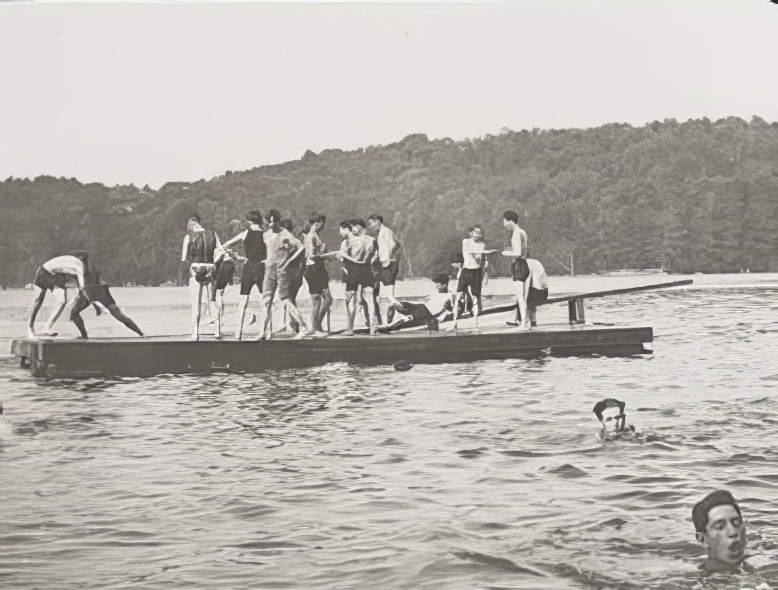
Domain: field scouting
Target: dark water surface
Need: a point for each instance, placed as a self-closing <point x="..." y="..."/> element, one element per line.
<point x="484" y="475"/>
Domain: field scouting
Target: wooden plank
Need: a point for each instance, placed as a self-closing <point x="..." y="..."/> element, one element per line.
<point x="574" y="296"/>
<point x="609" y="292"/>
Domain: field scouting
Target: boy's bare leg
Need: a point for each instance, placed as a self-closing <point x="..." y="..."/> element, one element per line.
<point x="244" y="307"/>
<point x="456" y="307"/>
<point x="351" y="310"/>
<point x="267" y="331"/>
<point x="324" y="310"/>
<point x="40" y="295"/>
<point x="316" y="301"/>
<point x="521" y="299"/>
<point x="117" y="313"/>
<point x="371" y="304"/>
<point x="48" y="329"/>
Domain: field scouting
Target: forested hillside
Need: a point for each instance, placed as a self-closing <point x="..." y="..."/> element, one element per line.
<point x="693" y="196"/>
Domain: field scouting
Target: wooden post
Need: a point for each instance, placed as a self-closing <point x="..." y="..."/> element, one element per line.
<point x="576" y="311"/>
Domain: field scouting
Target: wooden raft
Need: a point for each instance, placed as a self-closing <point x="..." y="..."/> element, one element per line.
<point x="138" y="357"/>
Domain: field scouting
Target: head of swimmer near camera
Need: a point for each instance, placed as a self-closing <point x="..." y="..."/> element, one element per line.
<point x="719" y="524"/>
<point x="610" y="413"/>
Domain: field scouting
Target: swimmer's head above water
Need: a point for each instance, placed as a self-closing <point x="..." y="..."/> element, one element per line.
<point x="610" y="413"/>
<point x="719" y="524"/>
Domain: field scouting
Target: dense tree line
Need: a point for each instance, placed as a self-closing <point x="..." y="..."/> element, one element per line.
<point x="693" y="196"/>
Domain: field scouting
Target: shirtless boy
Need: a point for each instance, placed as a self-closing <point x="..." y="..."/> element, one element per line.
<point x="358" y="254"/>
<point x="316" y="273"/>
<point x="519" y="269"/>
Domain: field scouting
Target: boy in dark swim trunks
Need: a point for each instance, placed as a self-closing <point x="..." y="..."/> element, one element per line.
<point x="62" y="272"/>
<point x="253" y="273"/>
<point x="358" y="254"/>
<point x="98" y="292"/>
<point x="471" y="275"/>
<point x="290" y="253"/>
<point x="316" y="273"/>
<point x="519" y="269"/>
<point x="223" y="274"/>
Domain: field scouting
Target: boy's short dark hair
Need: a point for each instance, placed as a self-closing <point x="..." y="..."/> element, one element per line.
<point x="345" y="224"/>
<point x="441" y="279"/>
<point x="286" y="224"/>
<point x="254" y="216"/>
<point x="704" y="506"/>
<point x="274" y="215"/>
<point x="375" y="217"/>
<point x="358" y="222"/>
<point x="511" y="215"/>
<point x="608" y="402"/>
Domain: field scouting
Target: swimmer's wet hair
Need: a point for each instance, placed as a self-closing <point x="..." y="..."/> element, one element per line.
<point x="608" y="402"/>
<point x="704" y="506"/>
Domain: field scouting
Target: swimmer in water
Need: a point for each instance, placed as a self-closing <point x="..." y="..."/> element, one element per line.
<point x="610" y="413"/>
<point x="719" y="525"/>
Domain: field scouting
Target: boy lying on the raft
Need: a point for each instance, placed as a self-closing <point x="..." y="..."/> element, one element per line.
<point x="610" y="413"/>
<point x="438" y="307"/>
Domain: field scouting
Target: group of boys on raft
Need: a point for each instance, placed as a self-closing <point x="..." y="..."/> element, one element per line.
<point x="276" y="262"/>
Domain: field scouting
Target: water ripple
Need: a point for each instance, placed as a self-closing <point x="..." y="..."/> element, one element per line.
<point x="464" y="476"/>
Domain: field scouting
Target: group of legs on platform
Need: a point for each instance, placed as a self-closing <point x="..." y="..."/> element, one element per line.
<point x="277" y="261"/>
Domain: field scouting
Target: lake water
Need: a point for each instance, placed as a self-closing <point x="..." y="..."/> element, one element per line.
<point x="481" y="475"/>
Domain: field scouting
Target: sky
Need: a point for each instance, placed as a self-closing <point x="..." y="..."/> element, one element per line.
<point x="151" y="92"/>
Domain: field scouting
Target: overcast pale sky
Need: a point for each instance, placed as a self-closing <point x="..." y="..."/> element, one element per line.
<point x="153" y="92"/>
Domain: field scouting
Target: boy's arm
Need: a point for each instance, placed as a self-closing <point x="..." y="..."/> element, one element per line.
<point x="448" y="308"/>
<point x="300" y="250"/>
<point x="239" y="238"/>
<point x="395" y="249"/>
<point x="80" y="277"/>
<point x="185" y="248"/>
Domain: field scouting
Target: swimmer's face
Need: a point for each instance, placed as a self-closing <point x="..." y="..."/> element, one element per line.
<point x="611" y="421"/>
<point x="726" y="538"/>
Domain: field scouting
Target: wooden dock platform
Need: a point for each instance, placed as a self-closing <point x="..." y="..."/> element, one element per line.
<point x="139" y="357"/>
